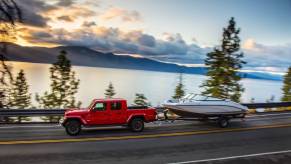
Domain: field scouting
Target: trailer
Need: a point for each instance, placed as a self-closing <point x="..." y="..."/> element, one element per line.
<point x="205" y="108"/>
<point x="222" y="120"/>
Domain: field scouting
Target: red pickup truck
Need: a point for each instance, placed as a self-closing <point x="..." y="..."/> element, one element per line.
<point x="103" y="112"/>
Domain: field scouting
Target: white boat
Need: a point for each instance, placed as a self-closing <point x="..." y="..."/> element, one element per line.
<point x="194" y="105"/>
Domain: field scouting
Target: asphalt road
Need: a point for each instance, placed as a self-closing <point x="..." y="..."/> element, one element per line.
<point x="258" y="139"/>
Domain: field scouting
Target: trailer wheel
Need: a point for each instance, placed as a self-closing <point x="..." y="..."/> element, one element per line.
<point x="223" y="122"/>
<point x="136" y="125"/>
<point x="73" y="127"/>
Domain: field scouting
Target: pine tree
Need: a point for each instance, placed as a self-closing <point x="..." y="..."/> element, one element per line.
<point x="110" y="92"/>
<point x="10" y="13"/>
<point x="287" y="86"/>
<point x="271" y="99"/>
<point x="19" y="97"/>
<point x="179" y="90"/>
<point x="64" y="86"/>
<point x="141" y="100"/>
<point x="223" y="64"/>
<point x="252" y="100"/>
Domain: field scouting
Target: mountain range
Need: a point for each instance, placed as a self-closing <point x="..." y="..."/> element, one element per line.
<point x="83" y="56"/>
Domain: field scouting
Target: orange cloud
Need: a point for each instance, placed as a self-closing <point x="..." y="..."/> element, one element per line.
<point x="249" y="44"/>
<point x="124" y="15"/>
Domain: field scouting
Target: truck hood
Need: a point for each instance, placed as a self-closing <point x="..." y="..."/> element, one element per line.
<point x="76" y="111"/>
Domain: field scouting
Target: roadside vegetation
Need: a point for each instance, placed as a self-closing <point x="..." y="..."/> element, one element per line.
<point x="19" y="96"/>
<point x="64" y="86"/>
<point x="179" y="90"/>
<point x="141" y="100"/>
<point x="287" y="86"/>
<point x="110" y="91"/>
<point x="10" y="14"/>
<point x="223" y="65"/>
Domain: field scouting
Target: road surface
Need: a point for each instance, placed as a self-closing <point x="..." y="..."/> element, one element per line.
<point x="259" y="139"/>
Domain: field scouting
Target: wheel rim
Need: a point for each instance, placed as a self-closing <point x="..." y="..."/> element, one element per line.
<point x="73" y="128"/>
<point x="223" y="123"/>
<point x="138" y="125"/>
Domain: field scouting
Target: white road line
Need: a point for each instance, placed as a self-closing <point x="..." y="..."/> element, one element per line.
<point x="234" y="157"/>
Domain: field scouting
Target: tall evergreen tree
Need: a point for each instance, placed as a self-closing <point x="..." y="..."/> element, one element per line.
<point x="141" y="100"/>
<point x="110" y="92"/>
<point x="179" y="90"/>
<point x="223" y="64"/>
<point x="19" y="97"/>
<point x="64" y="86"/>
<point x="271" y="99"/>
<point x="287" y="86"/>
<point x="10" y="13"/>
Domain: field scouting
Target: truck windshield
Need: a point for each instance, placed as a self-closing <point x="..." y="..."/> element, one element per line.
<point x="91" y="104"/>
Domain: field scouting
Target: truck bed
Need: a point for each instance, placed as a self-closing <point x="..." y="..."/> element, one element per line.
<point x="137" y="107"/>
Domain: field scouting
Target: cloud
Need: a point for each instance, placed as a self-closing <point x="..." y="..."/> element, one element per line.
<point x="69" y="14"/>
<point x="114" y="40"/>
<point x="88" y="24"/>
<point x="266" y="56"/>
<point x="66" y="18"/>
<point x="147" y="40"/>
<point x="40" y="18"/>
<point x="65" y="3"/>
<point x="39" y="13"/>
<point x="31" y="10"/>
<point x="124" y="15"/>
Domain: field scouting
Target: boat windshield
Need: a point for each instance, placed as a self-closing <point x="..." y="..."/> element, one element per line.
<point x="197" y="97"/>
<point x="187" y="96"/>
<point x="213" y="99"/>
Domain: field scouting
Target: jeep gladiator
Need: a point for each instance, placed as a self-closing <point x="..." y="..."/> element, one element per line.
<point x="104" y="112"/>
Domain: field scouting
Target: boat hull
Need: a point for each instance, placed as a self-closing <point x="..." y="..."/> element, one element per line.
<point x="205" y="110"/>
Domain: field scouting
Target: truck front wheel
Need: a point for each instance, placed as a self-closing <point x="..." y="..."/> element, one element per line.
<point x="73" y="127"/>
<point x="137" y="125"/>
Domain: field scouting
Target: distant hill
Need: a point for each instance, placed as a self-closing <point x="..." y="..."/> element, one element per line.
<point x="83" y="56"/>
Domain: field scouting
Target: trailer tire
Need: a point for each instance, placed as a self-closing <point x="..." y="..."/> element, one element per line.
<point x="223" y="122"/>
<point x="73" y="127"/>
<point x="136" y="125"/>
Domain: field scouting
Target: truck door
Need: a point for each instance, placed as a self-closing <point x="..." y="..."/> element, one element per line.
<point x="99" y="114"/>
<point x="118" y="113"/>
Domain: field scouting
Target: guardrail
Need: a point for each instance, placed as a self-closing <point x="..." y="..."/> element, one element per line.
<point x="267" y="105"/>
<point x="60" y="112"/>
<point x="31" y="112"/>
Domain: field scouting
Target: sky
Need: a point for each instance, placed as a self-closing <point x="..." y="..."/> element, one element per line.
<point x="178" y="31"/>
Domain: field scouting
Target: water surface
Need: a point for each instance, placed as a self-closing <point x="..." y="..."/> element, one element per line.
<point x="157" y="86"/>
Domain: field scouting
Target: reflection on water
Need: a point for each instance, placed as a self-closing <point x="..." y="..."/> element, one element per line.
<point x="157" y="86"/>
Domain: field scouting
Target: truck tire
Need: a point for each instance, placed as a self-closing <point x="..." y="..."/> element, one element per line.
<point x="223" y="122"/>
<point x="73" y="127"/>
<point x="136" y="125"/>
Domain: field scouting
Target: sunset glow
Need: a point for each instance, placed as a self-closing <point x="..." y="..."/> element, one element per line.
<point x="170" y="32"/>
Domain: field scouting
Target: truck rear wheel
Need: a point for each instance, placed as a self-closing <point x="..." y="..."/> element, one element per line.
<point x="73" y="127"/>
<point x="137" y="125"/>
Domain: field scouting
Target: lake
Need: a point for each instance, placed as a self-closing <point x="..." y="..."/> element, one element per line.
<point x="157" y="86"/>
